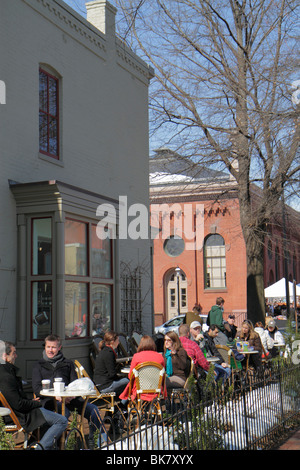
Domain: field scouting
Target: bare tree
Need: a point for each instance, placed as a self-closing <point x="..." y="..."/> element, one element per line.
<point x="225" y="93"/>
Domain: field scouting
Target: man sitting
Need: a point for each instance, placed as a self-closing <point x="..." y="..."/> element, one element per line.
<point x="223" y="369"/>
<point x="192" y="348"/>
<point x="30" y="413"/>
<point x="54" y="365"/>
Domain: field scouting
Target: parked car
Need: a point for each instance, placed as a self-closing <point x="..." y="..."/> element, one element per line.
<point x="174" y="324"/>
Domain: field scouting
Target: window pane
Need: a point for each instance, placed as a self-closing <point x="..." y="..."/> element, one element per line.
<point x="75" y="248"/>
<point x="41" y="246"/>
<point x="52" y="96"/>
<point x="41" y="309"/>
<point x="43" y="130"/>
<point x="49" y="113"/>
<point x="43" y="91"/>
<point x="101" y="308"/>
<point x="53" y="136"/>
<point x="76" y="309"/>
<point x="215" y="262"/>
<point x="101" y="256"/>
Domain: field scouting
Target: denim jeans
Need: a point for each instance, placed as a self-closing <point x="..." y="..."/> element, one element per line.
<point x="117" y="386"/>
<point x="222" y="372"/>
<point x="57" y="424"/>
<point x="91" y="413"/>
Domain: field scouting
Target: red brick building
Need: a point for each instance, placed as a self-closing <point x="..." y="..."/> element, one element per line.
<point x="187" y="203"/>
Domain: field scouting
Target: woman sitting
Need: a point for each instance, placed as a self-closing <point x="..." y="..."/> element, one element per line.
<point x="105" y="375"/>
<point x="248" y="334"/>
<point x="176" y="360"/>
<point x="146" y="352"/>
<point x="275" y="337"/>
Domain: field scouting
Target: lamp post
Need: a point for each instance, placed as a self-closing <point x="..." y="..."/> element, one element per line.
<point x="177" y="271"/>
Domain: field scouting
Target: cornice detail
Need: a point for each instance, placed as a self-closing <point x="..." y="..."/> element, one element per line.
<point x="76" y="25"/>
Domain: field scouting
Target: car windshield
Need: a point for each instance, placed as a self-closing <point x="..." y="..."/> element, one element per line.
<point x="175" y="321"/>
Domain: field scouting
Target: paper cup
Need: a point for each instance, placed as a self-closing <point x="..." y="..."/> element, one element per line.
<point x="45" y="384"/>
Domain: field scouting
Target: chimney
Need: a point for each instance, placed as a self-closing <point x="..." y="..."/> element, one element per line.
<point x="101" y="14"/>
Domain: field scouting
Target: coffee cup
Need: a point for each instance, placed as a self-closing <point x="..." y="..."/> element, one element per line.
<point x="59" y="386"/>
<point x="45" y="384"/>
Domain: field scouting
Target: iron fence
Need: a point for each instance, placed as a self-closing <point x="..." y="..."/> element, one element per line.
<point x="254" y="412"/>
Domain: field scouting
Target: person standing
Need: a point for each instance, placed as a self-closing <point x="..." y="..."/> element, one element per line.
<point x="215" y="315"/>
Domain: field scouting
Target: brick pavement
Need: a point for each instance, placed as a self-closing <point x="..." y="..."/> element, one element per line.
<point x="293" y="443"/>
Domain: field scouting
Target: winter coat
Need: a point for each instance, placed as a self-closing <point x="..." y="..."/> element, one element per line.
<point x="138" y="358"/>
<point x="44" y="369"/>
<point x="105" y="372"/>
<point x="211" y="348"/>
<point x="274" y="337"/>
<point x="266" y="339"/>
<point x="180" y="364"/>
<point x="216" y="317"/>
<point x="26" y="410"/>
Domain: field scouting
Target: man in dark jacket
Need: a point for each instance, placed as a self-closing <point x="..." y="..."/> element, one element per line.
<point x="30" y="413"/>
<point x="223" y="369"/>
<point x="54" y="365"/>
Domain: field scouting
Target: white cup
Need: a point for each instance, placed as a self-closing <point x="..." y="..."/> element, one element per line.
<point x="59" y="386"/>
<point x="45" y="384"/>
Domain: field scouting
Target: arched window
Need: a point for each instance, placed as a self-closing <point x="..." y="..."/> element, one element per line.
<point x="214" y="262"/>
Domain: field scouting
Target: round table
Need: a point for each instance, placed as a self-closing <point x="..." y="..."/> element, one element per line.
<point x="86" y="394"/>
<point x="247" y="354"/>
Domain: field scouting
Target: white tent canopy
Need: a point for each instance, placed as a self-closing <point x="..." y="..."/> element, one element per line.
<point x="278" y="290"/>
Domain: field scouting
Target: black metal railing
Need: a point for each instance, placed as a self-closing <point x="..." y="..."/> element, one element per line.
<point x="254" y="412"/>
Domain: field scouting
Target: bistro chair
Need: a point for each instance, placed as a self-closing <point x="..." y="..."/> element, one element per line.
<point x="104" y="401"/>
<point x="183" y="393"/>
<point x="150" y="379"/>
<point x="18" y="432"/>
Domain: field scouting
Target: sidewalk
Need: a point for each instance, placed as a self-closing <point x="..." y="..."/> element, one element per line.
<point x="293" y="443"/>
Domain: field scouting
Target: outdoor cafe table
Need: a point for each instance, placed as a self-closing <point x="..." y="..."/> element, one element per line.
<point x="4" y="411"/>
<point x="247" y="354"/>
<point x="85" y="394"/>
<point x="212" y="359"/>
<point x="123" y="360"/>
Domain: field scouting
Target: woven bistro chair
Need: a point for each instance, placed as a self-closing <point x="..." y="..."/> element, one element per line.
<point x="150" y="379"/>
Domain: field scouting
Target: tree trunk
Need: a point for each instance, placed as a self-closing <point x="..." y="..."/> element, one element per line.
<point x="255" y="279"/>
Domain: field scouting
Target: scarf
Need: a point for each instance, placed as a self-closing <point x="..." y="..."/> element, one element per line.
<point x="55" y="360"/>
<point x="169" y="367"/>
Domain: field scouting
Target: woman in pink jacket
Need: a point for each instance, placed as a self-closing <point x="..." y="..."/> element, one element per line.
<point x="146" y="352"/>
